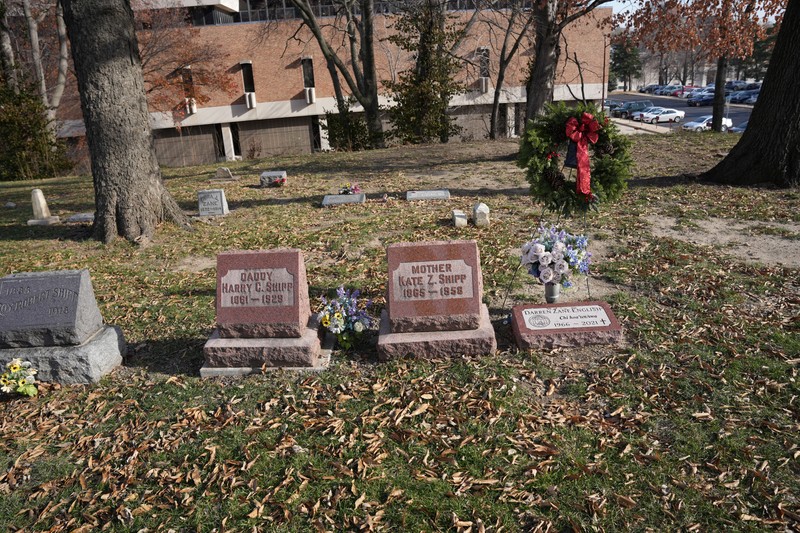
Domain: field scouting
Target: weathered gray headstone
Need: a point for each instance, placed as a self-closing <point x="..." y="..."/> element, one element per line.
<point x="223" y="173"/>
<point x="459" y="218"/>
<point x="272" y="178"/>
<point x="10" y="205"/>
<point x="41" y="213"/>
<point x="51" y="319"/>
<point x="47" y="309"/>
<point x="212" y="202"/>
<point x="338" y="199"/>
<point x="441" y="194"/>
<point x="480" y="214"/>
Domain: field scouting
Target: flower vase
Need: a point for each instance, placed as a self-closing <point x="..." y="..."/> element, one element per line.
<point x="551" y="292"/>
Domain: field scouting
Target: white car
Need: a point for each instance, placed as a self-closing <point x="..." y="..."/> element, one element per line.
<point x="704" y="124"/>
<point x="637" y="115"/>
<point x="665" y="114"/>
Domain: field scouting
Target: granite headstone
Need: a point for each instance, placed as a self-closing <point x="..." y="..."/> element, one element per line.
<point x="440" y="194"/>
<point x="212" y="202"/>
<point x="565" y="324"/>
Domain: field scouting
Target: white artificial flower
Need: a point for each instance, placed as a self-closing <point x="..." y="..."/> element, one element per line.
<point x="545" y="258"/>
<point x="358" y="327"/>
<point x="546" y="274"/>
<point x="7" y="389"/>
<point x="538" y="248"/>
<point x="529" y="258"/>
<point x="526" y="248"/>
<point x="561" y="267"/>
<point x="558" y="248"/>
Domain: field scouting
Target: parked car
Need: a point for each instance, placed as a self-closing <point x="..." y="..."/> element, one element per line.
<point x="735" y="85"/>
<point x="740" y="97"/>
<point x="609" y="105"/>
<point x="698" y="91"/>
<point x="704" y="124"/>
<point x="670" y="90"/>
<point x="739" y="129"/>
<point x="625" y="110"/>
<point x="753" y="86"/>
<point x="665" y="114"/>
<point x="687" y="89"/>
<point x="701" y="99"/>
<point x="649" y="88"/>
<point x="752" y="100"/>
<point x="637" y="115"/>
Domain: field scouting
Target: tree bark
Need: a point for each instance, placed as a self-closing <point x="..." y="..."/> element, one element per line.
<point x="7" y="61"/>
<point x="543" y="74"/>
<point x="130" y="198"/>
<point x="718" y="108"/>
<point x="769" y="150"/>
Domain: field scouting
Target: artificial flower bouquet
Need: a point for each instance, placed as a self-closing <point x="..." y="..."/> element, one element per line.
<point x="345" y="316"/>
<point x="555" y="256"/>
<point x="18" y="378"/>
<point x="350" y="188"/>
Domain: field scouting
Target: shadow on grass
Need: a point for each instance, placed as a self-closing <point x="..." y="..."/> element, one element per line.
<point x="182" y="356"/>
<point x="60" y="232"/>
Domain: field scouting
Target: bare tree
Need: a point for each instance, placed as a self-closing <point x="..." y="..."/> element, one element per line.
<point x="7" y="61"/>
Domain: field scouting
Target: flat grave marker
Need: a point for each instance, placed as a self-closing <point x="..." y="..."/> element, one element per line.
<point x="440" y="194"/>
<point x="272" y="177"/>
<point x="339" y="199"/>
<point x="565" y="324"/>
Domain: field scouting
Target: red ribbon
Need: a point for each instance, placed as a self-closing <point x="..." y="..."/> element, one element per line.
<point x="582" y="133"/>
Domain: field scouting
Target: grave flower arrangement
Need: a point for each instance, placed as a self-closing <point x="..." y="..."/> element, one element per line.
<point x="277" y="181"/>
<point x="346" y="317"/>
<point x="18" y="378"/>
<point x="555" y="256"/>
<point x="350" y="188"/>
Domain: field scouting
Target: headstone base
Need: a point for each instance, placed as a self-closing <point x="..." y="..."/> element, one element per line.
<point x="49" y="221"/>
<point x="239" y="357"/>
<point x="480" y="341"/>
<point x="568" y="325"/>
<point x="85" y="363"/>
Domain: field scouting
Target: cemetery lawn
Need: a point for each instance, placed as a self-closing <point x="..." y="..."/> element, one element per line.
<point x="691" y="425"/>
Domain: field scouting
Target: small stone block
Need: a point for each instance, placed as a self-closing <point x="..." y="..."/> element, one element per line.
<point x="262" y="294"/>
<point x="479" y="341"/>
<point x="459" y="218"/>
<point x="85" y="363"/>
<point x="212" y="202"/>
<point x="272" y="178"/>
<point x="441" y="194"/>
<point x="10" y="205"/>
<point x="480" y="214"/>
<point x="434" y="286"/>
<point x="221" y="353"/>
<point x="80" y="217"/>
<point x="49" y="221"/>
<point x="568" y="325"/>
<point x="47" y="309"/>
<point x="338" y="199"/>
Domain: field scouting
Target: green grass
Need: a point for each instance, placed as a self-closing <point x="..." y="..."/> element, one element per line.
<point x="692" y="424"/>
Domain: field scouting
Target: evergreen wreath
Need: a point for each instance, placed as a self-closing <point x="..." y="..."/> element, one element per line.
<point x="543" y="150"/>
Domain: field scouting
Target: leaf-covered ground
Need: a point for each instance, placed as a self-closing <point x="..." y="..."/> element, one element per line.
<point x="692" y="424"/>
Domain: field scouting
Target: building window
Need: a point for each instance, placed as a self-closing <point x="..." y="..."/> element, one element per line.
<point x="247" y="77"/>
<point x="308" y="71"/>
<point x="483" y="58"/>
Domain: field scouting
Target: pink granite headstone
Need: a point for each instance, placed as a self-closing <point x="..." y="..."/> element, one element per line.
<point x="434" y="286"/>
<point x="262" y="294"/>
<point x="568" y="324"/>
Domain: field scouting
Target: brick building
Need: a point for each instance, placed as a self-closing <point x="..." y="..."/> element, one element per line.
<point x="285" y="89"/>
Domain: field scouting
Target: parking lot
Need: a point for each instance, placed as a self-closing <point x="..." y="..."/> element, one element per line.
<point x="738" y="113"/>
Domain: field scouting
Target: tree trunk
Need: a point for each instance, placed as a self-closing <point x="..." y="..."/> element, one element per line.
<point x="7" y="52"/>
<point x="769" y="150"/>
<point x="719" y="94"/>
<point x="371" y="104"/>
<point x="543" y="75"/>
<point x="130" y="198"/>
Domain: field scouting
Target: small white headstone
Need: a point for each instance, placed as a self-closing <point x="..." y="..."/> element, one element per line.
<point x="212" y="203"/>
<point x="80" y="217"/>
<point x="41" y="213"/>
<point x="459" y="218"/>
<point x="480" y="214"/>
<point x="441" y="194"/>
<point x="11" y="205"/>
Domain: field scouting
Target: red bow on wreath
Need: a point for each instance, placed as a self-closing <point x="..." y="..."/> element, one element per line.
<point x="582" y="133"/>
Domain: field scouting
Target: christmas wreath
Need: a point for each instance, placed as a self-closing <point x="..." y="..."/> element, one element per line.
<point x="598" y="149"/>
